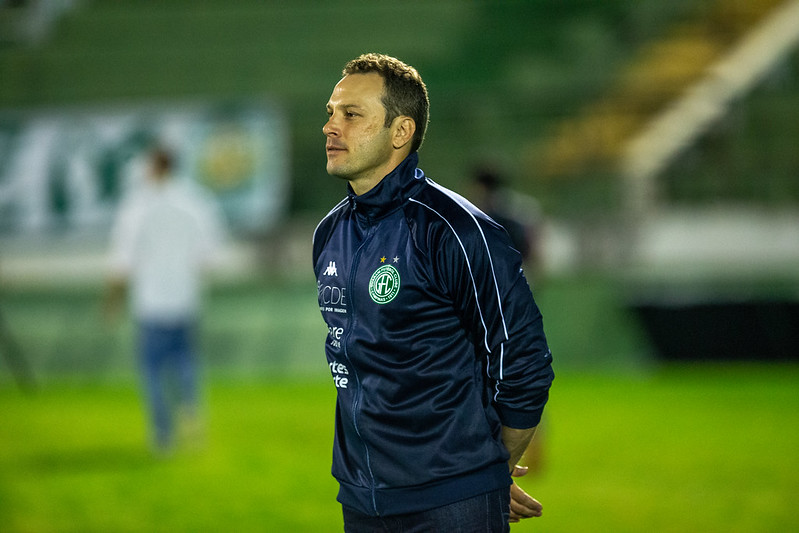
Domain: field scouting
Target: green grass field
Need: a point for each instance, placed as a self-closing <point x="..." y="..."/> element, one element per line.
<point x="631" y="445"/>
<point x="690" y="449"/>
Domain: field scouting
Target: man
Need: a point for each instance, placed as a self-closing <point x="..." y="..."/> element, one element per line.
<point x="163" y="238"/>
<point x="434" y="340"/>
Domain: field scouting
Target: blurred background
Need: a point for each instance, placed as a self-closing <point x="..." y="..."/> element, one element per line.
<point x="649" y="147"/>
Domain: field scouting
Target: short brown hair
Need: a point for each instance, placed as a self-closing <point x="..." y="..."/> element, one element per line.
<point x="404" y="91"/>
<point x="162" y="160"/>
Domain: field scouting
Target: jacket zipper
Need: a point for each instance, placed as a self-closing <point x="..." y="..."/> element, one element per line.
<point x="358" y="391"/>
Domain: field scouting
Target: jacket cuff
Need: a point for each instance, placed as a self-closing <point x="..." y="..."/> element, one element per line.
<point x="519" y="419"/>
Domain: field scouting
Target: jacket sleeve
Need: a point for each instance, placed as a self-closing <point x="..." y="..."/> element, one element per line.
<point x="484" y="276"/>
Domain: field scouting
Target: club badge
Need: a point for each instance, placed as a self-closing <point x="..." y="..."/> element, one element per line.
<point x="384" y="284"/>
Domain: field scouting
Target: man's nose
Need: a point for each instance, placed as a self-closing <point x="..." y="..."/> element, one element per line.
<point x="330" y="128"/>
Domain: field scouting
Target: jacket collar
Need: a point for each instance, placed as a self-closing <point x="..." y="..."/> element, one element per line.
<point x="391" y="192"/>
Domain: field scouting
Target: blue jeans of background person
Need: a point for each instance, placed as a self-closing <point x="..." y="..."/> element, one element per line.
<point x="486" y="513"/>
<point x="169" y="372"/>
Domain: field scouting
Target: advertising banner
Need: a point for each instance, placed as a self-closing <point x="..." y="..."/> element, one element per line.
<point x="64" y="171"/>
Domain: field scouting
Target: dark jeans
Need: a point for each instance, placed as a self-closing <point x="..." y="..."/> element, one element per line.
<point x="170" y="376"/>
<point x="486" y="513"/>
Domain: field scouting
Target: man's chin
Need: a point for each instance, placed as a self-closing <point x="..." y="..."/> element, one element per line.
<point x="337" y="172"/>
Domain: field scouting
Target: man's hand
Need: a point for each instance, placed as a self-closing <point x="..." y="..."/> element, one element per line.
<point x="114" y="300"/>
<point x="522" y="505"/>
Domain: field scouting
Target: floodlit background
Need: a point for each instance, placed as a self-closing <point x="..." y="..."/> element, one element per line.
<point x="651" y="145"/>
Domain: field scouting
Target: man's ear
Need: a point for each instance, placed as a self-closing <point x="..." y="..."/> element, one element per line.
<point x="403" y="129"/>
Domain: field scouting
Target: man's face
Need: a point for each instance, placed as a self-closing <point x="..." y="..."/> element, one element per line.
<point x="359" y="146"/>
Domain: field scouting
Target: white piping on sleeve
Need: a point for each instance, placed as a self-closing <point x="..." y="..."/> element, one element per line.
<point x="459" y="200"/>
<point x="468" y="265"/>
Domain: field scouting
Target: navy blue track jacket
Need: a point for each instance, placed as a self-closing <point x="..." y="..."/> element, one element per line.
<point x="434" y="342"/>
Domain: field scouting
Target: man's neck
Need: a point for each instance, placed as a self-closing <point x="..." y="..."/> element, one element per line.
<point x="364" y="184"/>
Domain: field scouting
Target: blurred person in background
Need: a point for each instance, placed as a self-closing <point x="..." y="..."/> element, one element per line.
<point x="166" y="234"/>
<point x="518" y="214"/>
<point x="435" y="343"/>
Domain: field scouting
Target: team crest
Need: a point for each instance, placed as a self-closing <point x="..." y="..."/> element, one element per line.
<point x="384" y="284"/>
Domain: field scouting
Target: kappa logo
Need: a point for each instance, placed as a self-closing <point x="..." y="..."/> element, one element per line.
<point x="384" y="284"/>
<point x="331" y="269"/>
